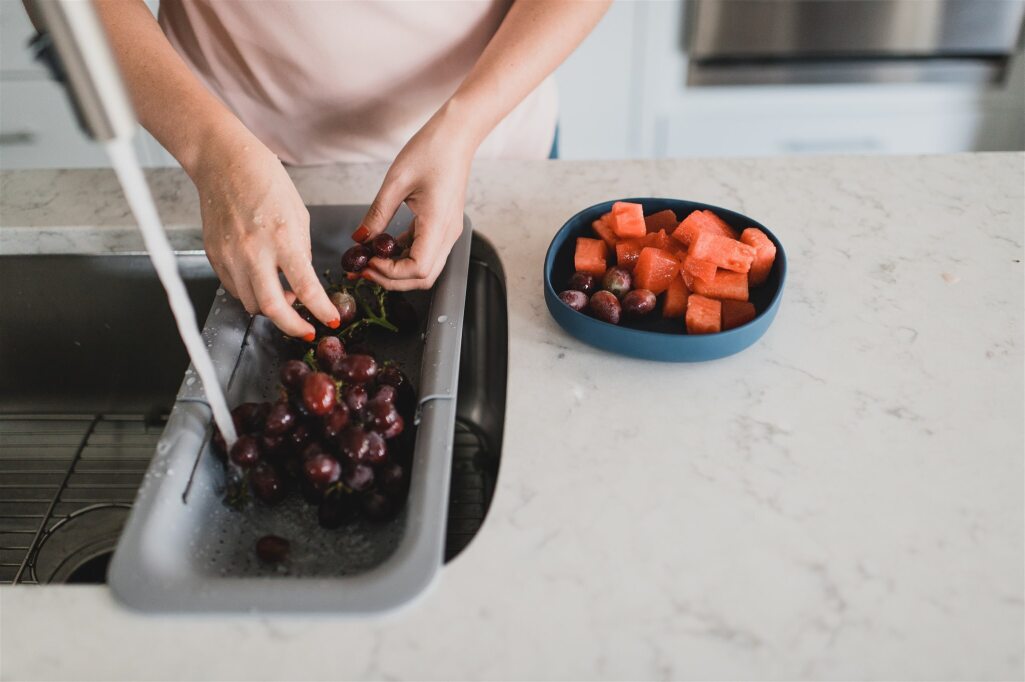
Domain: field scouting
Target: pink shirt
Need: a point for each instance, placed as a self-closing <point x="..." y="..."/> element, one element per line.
<point x="322" y="81"/>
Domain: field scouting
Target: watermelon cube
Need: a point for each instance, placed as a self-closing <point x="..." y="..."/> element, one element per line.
<point x="701" y="269"/>
<point x="675" y="303"/>
<point x="736" y="313"/>
<point x="655" y="270"/>
<point x="603" y="228"/>
<point x="765" y="255"/>
<point x="688" y="278"/>
<point x="677" y="250"/>
<point x="627" y="252"/>
<point x="699" y="222"/>
<point x="724" y="227"/>
<point x="725" y="284"/>
<point x="704" y="315"/>
<point x="590" y="256"/>
<point x="628" y="220"/>
<point x="659" y="240"/>
<point x="663" y="220"/>
<point x="724" y="252"/>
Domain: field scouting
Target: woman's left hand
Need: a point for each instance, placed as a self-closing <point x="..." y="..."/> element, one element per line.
<point x="430" y="176"/>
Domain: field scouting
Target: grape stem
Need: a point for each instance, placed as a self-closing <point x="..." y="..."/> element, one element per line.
<point x="236" y="487"/>
<point x="371" y="317"/>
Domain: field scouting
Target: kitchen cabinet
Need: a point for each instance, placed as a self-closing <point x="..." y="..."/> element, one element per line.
<point x="623" y="94"/>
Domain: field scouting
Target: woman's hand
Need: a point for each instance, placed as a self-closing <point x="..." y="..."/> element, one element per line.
<point x="254" y="225"/>
<point x="430" y="176"/>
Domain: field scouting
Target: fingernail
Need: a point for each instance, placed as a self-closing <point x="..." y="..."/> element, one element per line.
<point x="361" y="234"/>
<point x="366" y="275"/>
<point x="335" y="323"/>
<point x="351" y="276"/>
<point x="309" y="337"/>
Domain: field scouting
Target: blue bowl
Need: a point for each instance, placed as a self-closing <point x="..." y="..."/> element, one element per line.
<point x="654" y="338"/>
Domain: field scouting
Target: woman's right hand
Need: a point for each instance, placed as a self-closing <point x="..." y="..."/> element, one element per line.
<point x="254" y="225"/>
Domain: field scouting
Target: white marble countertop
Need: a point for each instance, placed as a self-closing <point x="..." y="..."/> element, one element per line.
<point x="842" y="500"/>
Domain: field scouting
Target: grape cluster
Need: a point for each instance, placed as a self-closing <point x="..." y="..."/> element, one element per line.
<point x="609" y="298"/>
<point x="357" y="257"/>
<point x="335" y="435"/>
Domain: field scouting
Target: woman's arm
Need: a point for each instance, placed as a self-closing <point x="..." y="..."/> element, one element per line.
<point x="254" y="222"/>
<point x="431" y="171"/>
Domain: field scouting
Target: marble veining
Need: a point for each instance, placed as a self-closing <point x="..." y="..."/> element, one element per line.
<point x="843" y="500"/>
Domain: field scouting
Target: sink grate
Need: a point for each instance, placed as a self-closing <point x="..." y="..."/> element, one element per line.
<point x="52" y="466"/>
<point x="472" y="485"/>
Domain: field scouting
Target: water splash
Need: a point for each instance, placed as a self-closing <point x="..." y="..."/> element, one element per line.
<point x="129" y="173"/>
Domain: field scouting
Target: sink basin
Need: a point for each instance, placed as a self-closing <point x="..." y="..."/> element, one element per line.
<point x="90" y="363"/>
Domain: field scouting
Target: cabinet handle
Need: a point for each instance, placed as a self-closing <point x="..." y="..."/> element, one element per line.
<point x="17" y="137"/>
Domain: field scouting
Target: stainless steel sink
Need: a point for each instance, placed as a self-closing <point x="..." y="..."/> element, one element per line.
<point x="90" y="363"/>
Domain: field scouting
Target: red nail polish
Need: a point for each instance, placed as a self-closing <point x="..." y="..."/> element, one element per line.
<point x="351" y="276"/>
<point x="309" y="337"/>
<point x="366" y="275"/>
<point x="335" y="323"/>
<point x="361" y="234"/>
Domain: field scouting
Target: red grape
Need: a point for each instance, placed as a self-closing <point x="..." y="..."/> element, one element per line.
<point x="266" y="483"/>
<point x="638" y="303"/>
<point x="272" y="446"/>
<point x="356" y="258"/>
<point x="356" y="369"/>
<point x="618" y="281"/>
<point x="321" y="470"/>
<point x="355" y="396"/>
<point x="395" y="428"/>
<point x="246" y="451"/>
<point x="384" y="246"/>
<point x="583" y="282"/>
<point x="605" y="306"/>
<point x="280" y="419"/>
<point x="336" y="421"/>
<point x="298" y="438"/>
<point x="390" y="375"/>
<point x="377" y="449"/>
<point x="577" y="300"/>
<point x="248" y="417"/>
<point x="346" y="306"/>
<point x="292" y="374"/>
<point x="319" y="393"/>
<point x="358" y="478"/>
<point x="272" y="549"/>
<point x="381" y="414"/>
<point x="354" y="444"/>
<point x="388" y="394"/>
<point x="329" y="351"/>
<point x="311" y="450"/>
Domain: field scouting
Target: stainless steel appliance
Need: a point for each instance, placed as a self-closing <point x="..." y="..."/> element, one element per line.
<point x="744" y="42"/>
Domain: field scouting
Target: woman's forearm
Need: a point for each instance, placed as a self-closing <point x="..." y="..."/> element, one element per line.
<point x="533" y="39"/>
<point x="170" y="101"/>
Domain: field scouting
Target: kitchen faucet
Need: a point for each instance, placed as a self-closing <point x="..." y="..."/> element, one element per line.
<point x="72" y="43"/>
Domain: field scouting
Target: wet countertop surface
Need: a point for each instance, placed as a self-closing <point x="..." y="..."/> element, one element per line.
<point x="842" y="500"/>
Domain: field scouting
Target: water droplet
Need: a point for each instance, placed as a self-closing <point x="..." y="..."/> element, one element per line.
<point x="442" y="319"/>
